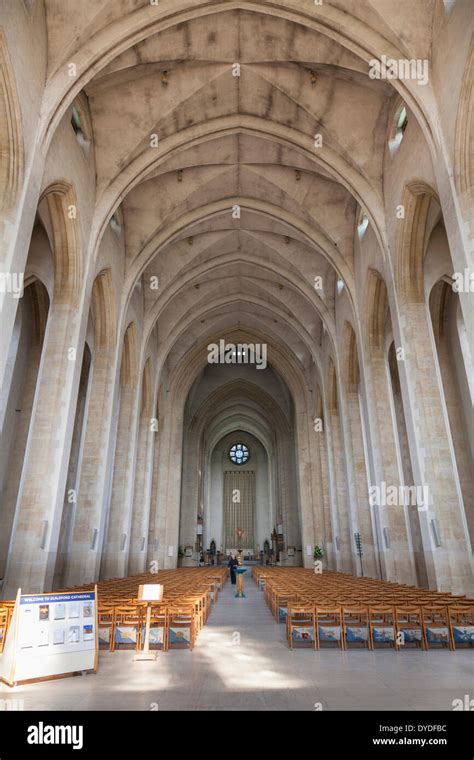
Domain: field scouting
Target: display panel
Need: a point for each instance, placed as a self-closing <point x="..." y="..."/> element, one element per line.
<point x="50" y="635"/>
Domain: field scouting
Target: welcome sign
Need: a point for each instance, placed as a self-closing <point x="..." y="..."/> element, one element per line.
<point x="50" y="635"/>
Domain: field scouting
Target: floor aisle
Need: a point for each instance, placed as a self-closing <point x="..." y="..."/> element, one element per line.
<point x="241" y="661"/>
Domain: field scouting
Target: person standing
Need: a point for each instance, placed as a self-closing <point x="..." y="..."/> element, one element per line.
<point x="232" y="564"/>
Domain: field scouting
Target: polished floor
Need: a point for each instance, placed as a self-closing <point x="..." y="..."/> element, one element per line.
<point x="241" y="661"/>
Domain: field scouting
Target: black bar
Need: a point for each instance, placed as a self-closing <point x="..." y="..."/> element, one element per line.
<point x="374" y="734"/>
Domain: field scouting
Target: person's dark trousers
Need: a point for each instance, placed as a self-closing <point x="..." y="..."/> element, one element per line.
<point x="233" y="577"/>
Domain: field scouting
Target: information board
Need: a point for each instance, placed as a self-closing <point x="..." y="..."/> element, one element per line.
<point x="50" y="635"/>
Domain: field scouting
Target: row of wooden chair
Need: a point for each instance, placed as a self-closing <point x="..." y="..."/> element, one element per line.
<point x="423" y="627"/>
<point x="299" y="597"/>
<point x="171" y="626"/>
<point x="189" y="594"/>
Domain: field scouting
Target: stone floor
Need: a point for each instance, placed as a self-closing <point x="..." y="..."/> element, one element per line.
<point x="241" y="661"/>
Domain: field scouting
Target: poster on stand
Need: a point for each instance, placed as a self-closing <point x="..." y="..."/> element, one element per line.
<point x="50" y="636"/>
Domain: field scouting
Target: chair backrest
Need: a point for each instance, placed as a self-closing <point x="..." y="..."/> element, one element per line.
<point x="130" y="612"/>
<point x="327" y="610"/>
<point x="380" y="610"/>
<point x="434" y="613"/>
<point x="354" y="611"/>
<point x="407" y="612"/>
<point x="298" y="610"/>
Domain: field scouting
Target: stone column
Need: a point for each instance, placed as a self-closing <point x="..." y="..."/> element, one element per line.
<point x="83" y="565"/>
<point x="74" y="471"/>
<point x="16" y="228"/>
<point x="170" y="493"/>
<point x="345" y="551"/>
<point x="115" y="557"/>
<point x="303" y="428"/>
<point x="142" y="496"/>
<point x="155" y="512"/>
<point x="328" y="528"/>
<point x="358" y="483"/>
<point x="407" y="471"/>
<point x="190" y="485"/>
<point x="457" y="217"/>
<point x="397" y="559"/>
<point x="332" y="489"/>
<point x="449" y="566"/>
<point x="35" y="534"/>
<point x="18" y="402"/>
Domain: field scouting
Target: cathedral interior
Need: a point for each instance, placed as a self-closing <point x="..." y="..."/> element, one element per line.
<point x="237" y="256"/>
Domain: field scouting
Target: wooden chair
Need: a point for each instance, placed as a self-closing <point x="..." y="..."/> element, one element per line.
<point x="461" y="625"/>
<point x="328" y="624"/>
<point x="159" y="627"/>
<point x="381" y="625"/>
<point x="198" y="609"/>
<point x="182" y="627"/>
<point x="280" y="604"/>
<point x="105" y="623"/>
<point x="128" y="616"/>
<point x="355" y="626"/>
<point x="4" y="622"/>
<point x="436" y="626"/>
<point x="409" y="628"/>
<point x="300" y="627"/>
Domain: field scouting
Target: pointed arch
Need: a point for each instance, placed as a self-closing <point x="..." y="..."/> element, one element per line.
<point x="438" y="302"/>
<point x="128" y="368"/>
<point x="351" y="369"/>
<point x="62" y="206"/>
<point x="103" y="310"/>
<point x="376" y="308"/>
<point x="421" y="206"/>
<point x="333" y="403"/>
<point x="146" y="389"/>
<point x="39" y="308"/>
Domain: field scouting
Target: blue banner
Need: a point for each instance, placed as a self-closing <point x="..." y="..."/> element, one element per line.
<point x="48" y="598"/>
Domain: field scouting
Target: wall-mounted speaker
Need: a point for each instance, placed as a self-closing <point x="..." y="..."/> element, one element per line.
<point x="435" y="529"/>
<point x="44" y="533"/>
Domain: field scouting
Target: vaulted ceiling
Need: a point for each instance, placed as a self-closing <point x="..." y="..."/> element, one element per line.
<point x="240" y="141"/>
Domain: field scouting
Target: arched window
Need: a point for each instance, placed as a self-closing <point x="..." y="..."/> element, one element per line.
<point x="116" y="222"/>
<point x="401" y="123"/>
<point x="448" y="5"/>
<point x="363" y="223"/>
<point x="398" y="129"/>
<point x="239" y="453"/>
<point x="81" y="124"/>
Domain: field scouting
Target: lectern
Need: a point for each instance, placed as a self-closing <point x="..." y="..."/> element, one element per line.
<point x="148" y="592"/>
<point x="240" y="580"/>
